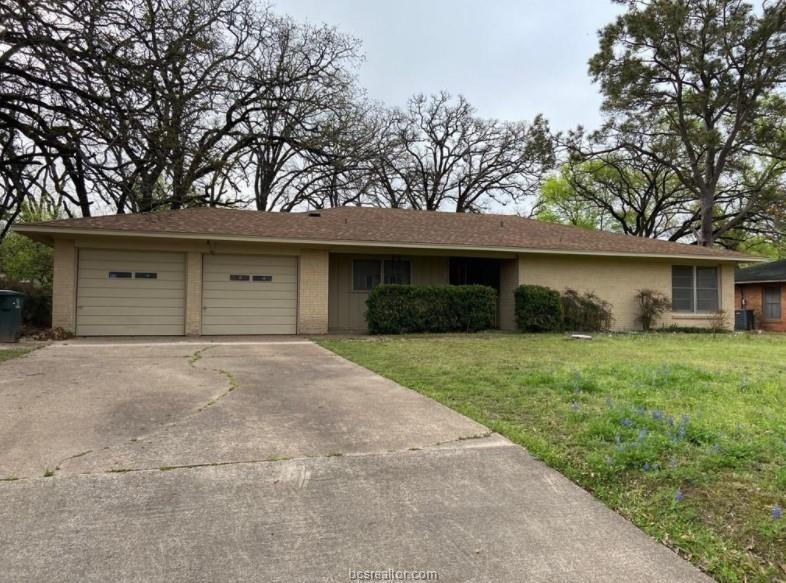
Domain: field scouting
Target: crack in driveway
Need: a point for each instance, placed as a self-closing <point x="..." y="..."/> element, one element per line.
<point x="484" y="440"/>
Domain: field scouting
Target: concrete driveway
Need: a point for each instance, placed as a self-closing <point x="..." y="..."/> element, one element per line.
<point x="275" y="460"/>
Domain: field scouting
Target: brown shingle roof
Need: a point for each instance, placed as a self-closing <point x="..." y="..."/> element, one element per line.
<point x="384" y="226"/>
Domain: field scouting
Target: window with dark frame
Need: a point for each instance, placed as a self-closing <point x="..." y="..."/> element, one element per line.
<point x="120" y="275"/>
<point x="239" y="277"/>
<point x="772" y="302"/>
<point x="262" y="278"/>
<point x="396" y="271"/>
<point x="694" y="289"/>
<point x="366" y="274"/>
<point x="146" y="275"/>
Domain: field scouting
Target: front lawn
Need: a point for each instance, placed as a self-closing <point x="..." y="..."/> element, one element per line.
<point x="683" y="434"/>
<point x="9" y="353"/>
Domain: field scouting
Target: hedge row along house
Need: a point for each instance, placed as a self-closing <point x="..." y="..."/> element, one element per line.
<point x="224" y="272"/>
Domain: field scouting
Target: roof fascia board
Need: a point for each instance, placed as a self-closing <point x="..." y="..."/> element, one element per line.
<point x="63" y="231"/>
<point x="761" y="281"/>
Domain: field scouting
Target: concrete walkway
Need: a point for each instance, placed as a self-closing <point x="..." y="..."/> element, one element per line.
<point x="275" y="460"/>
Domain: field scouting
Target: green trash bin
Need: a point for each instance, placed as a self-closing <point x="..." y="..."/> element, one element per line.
<point x="10" y="315"/>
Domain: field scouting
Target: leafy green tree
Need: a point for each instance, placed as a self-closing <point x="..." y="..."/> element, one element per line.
<point x="618" y="191"/>
<point x="24" y="260"/>
<point x="558" y="202"/>
<point x="696" y="85"/>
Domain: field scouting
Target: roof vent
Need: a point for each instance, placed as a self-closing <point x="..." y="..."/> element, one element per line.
<point x="314" y="214"/>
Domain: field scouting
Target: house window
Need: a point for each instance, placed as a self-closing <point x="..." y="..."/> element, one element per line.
<point x="366" y="274"/>
<point x="239" y="277"/>
<point x="262" y="278"/>
<point x="694" y="289"/>
<point x="772" y="303"/>
<point x="146" y="275"/>
<point x="120" y="275"/>
<point x="397" y="271"/>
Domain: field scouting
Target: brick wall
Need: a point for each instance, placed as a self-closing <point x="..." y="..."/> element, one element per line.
<point x="193" y="293"/>
<point x="312" y="313"/>
<point x="616" y="280"/>
<point x="753" y="294"/>
<point x="64" y="285"/>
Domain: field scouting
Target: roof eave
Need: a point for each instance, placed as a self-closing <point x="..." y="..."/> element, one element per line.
<point x="38" y="230"/>
<point x="760" y="281"/>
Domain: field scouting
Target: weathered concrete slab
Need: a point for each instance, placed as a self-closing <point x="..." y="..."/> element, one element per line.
<point x="469" y="514"/>
<point x="61" y="401"/>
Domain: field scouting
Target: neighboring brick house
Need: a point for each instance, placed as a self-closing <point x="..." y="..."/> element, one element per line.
<point x="761" y="288"/>
<point x="220" y="271"/>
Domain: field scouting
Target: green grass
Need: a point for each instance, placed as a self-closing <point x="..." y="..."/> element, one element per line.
<point x="633" y="419"/>
<point x="9" y="353"/>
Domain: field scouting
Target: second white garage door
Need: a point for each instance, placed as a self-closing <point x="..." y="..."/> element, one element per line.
<point x="249" y="294"/>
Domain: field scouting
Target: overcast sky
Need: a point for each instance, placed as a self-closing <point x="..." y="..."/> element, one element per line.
<point x="512" y="59"/>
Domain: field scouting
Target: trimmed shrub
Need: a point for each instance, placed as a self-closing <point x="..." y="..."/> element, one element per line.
<point x="401" y="309"/>
<point x="585" y="312"/>
<point x="538" y="309"/>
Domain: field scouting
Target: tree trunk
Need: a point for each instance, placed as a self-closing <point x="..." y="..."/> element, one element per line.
<point x="706" y="231"/>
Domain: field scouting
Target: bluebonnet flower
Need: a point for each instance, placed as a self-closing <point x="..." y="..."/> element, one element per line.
<point x="645" y="467"/>
<point x="673" y="462"/>
<point x="657" y="415"/>
<point x="679" y="495"/>
<point x="642" y="434"/>
<point x="776" y="512"/>
<point x="681" y="429"/>
<point x="574" y="405"/>
<point x="715" y="448"/>
<point x="671" y="421"/>
<point x="627" y="422"/>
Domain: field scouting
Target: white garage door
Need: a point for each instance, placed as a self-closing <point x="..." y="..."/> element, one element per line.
<point x="249" y="294"/>
<point x="122" y="293"/>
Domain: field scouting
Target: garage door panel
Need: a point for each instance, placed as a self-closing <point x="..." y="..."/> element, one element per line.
<point x="143" y="257"/>
<point x="118" y="302"/>
<point x="230" y="262"/>
<point x="103" y="274"/>
<point x="222" y="281"/>
<point x="151" y="319"/>
<point x="259" y="319"/>
<point x="152" y="311"/>
<point x="133" y="293"/>
<point x="130" y="306"/>
<point x="129" y="330"/>
<point x="249" y="307"/>
<point x="143" y="285"/>
<point x="240" y="329"/>
<point x="215" y="288"/>
<point x="289" y="306"/>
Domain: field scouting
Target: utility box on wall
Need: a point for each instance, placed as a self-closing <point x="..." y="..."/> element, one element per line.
<point x="743" y="319"/>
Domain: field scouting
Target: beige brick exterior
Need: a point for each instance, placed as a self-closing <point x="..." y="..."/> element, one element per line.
<point x="64" y="284"/>
<point x="193" y="293"/>
<point x="312" y="313"/>
<point x="616" y="279"/>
